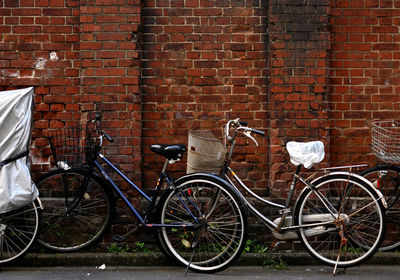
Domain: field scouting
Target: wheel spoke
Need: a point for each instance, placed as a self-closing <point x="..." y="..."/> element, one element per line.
<point x="359" y="225"/>
<point x="18" y="231"/>
<point x="89" y="211"/>
<point x="218" y="238"/>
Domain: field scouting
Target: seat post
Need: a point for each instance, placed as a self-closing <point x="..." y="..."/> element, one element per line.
<point x="298" y="169"/>
<point x="165" y="166"/>
<point x="292" y="186"/>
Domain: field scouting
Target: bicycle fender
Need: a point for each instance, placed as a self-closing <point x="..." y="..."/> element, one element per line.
<point x="358" y="177"/>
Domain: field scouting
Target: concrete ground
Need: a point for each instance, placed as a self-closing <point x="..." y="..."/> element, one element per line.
<point x="308" y="272"/>
<point x="158" y="259"/>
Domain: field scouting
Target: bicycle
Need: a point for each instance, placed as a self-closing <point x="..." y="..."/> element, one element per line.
<point x="19" y="229"/>
<point x="200" y="221"/>
<point x="339" y="216"/>
<point x="20" y="217"/>
<point x="386" y="176"/>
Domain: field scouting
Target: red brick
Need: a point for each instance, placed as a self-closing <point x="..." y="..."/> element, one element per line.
<point x="192" y="70"/>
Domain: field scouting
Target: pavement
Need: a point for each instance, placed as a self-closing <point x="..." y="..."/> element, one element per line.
<point x="298" y="272"/>
<point x="158" y="259"/>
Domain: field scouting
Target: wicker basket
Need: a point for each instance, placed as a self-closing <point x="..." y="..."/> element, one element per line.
<point x="386" y="140"/>
<point x="67" y="147"/>
<point x="205" y="153"/>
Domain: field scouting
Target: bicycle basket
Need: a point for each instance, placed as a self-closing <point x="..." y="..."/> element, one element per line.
<point x="206" y="153"/>
<point x="386" y="140"/>
<point x="67" y="147"/>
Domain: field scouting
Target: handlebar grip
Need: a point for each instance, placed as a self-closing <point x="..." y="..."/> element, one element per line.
<point x="259" y="132"/>
<point x="243" y="123"/>
<point x="109" y="138"/>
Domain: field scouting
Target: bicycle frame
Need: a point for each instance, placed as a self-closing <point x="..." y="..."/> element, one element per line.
<point x="144" y="221"/>
<point x="276" y="227"/>
<point x="285" y="210"/>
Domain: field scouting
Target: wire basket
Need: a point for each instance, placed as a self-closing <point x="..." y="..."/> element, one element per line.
<point x="386" y="141"/>
<point x="206" y="153"/>
<point x="67" y="147"/>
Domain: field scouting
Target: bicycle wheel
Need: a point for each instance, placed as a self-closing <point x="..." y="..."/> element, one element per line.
<point x="18" y="231"/>
<point x="220" y="233"/>
<point x="386" y="178"/>
<point x="351" y="220"/>
<point x="73" y="218"/>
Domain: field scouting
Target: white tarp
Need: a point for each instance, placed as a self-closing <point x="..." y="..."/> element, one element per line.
<point x="16" y="121"/>
<point x="306" y="153"/>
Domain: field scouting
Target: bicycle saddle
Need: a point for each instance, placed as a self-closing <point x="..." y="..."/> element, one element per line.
<point x="306" y="153"/>
<point x="171" y="152"/>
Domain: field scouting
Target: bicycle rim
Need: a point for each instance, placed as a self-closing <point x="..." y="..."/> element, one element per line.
<point x="356" y="230"/>
<point x="67" y="225"/>
<point x="221" y="229"/>
<point x="18" y="231"/>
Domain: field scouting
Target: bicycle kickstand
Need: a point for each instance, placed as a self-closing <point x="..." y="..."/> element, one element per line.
<point x="189" y="263"/>
<point x="343" y="241"/>
<point x="273" y="244"/>
<point x="193" y="245"/>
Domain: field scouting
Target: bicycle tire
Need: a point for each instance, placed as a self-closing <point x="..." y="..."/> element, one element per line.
<point x="386" y="177"/>
<point x="18" y="231"/>
<point x="222" y="232"/>
<point x="361" y="221"/>
<point x="69" y="231"/>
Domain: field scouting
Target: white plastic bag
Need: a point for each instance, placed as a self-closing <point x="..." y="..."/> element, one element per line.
<point x="16" y="121"/>
<point x="307" y="153"/>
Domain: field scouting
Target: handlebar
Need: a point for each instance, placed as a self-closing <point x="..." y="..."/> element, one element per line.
<point x="100" y="131"/>
<point x="259" y="132"/>
<point x="240" y="126"/>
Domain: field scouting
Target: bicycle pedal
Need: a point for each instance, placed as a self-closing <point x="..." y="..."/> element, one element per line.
<point x="118" y="238"/>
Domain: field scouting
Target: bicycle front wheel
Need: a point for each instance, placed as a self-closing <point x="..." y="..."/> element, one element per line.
<point x="74" y="217"/>
<point x="386" y="178"/>
<point x="220" y="225"/>
<point x="347" y="218"/>
<point x="18" y="231"/>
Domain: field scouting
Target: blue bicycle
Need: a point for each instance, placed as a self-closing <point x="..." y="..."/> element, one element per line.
<point x="199" y="219"/>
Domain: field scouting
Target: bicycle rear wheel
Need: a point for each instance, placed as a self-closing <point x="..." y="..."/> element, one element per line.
<point x="220" y="232"/>
<point x="18" y="231"/>
<point x="73" y="218"/>
<point x="351" y="220"/>
<point x="386" y="178"/>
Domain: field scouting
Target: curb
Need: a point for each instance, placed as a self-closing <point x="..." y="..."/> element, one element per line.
<point x="158" y="259"/>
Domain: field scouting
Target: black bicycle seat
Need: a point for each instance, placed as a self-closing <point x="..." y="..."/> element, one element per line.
<point x="171" y="152"/>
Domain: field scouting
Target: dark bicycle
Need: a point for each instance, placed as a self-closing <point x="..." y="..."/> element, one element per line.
<point x="386" y="176"/>
<point x="200" y="220"/>
<point x="20" y="211"/>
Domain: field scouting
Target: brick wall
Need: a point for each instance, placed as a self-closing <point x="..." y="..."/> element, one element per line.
<point x="39" y="46"/>
<point x="80" y="56"/>
<point x="204" y="62"/>
<point x="364" y="74"/>
<point x="110" y="74"/>
<point x="304" y="70"/>
<point x="298" y="78"/>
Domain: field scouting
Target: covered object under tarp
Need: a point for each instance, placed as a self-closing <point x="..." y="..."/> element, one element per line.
<point x="16" y="121"/>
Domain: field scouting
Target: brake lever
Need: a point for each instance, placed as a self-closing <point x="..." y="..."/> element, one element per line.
<point x="248" y="134"/>
<point x="235" y="122"/>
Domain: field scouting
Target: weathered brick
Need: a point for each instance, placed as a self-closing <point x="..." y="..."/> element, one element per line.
<point x="167" y="67"/>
